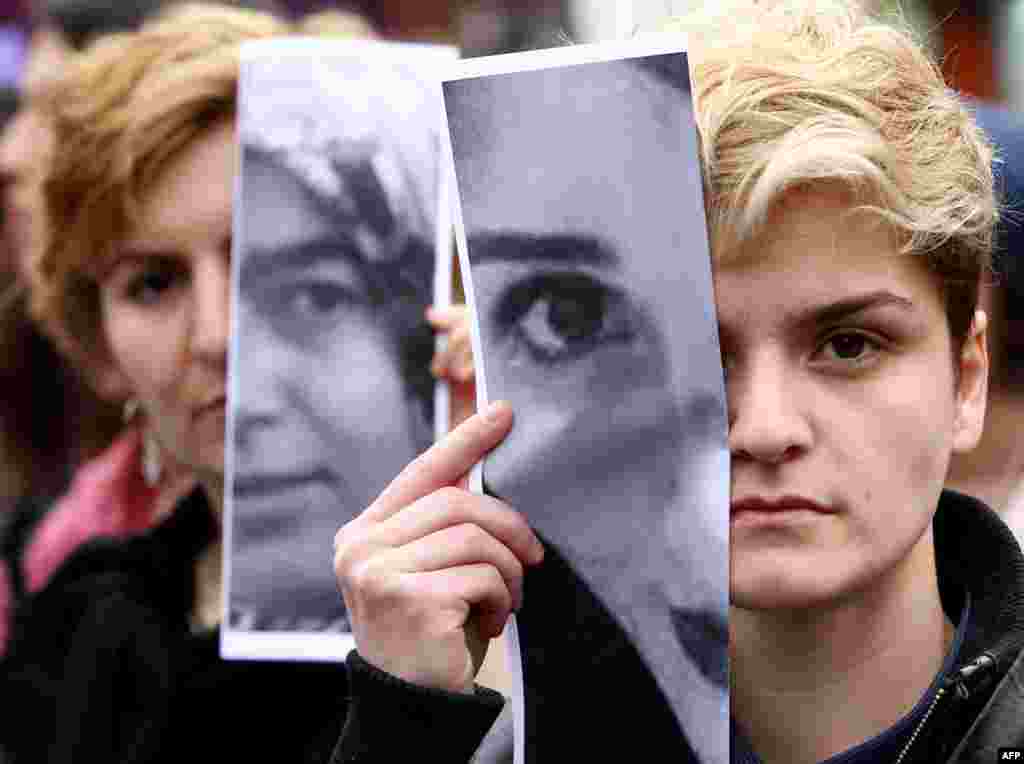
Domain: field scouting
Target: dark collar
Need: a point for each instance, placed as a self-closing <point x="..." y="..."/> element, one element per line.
<point x="190" y="528"/>
<point x="975" y="551"/>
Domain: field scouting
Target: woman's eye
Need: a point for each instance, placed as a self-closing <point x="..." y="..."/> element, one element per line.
<point x="152" y="282"/>
<point x="559" y="316"/>
<point x="313" y="301"/>
<point x="306" y="309"/>
<point x="847" y="347"/>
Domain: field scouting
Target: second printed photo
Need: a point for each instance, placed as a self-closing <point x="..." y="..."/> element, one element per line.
<point x="583" y="221"/>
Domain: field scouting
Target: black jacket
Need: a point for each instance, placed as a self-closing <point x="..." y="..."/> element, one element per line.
<point x="980" y="708"/>
<point x="103" y="667"/>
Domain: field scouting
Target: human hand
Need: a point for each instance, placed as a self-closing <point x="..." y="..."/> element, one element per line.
<point x="429" y="571"/>
<point x="454" y="362"/>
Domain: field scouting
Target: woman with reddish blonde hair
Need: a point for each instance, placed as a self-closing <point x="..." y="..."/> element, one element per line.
<point x="116" y="657"/>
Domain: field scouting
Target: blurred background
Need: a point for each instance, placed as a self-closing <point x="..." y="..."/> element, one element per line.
<point x="979" y="42"/>
<point x="974" y="38"/>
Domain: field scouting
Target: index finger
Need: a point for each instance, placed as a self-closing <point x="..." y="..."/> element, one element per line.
<point x="444" y="463"/>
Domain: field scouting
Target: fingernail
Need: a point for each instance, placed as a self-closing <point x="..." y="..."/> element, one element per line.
<point x="495" y="411"/>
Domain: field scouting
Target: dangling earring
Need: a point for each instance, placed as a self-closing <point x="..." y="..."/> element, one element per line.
<point x="152" y="464"/>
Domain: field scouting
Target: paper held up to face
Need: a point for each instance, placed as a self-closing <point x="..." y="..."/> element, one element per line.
<point x="341" y="239"/>
<point x="582" y="235"/>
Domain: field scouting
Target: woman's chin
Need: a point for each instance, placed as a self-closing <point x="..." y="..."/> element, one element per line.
<point x="209" y="472"/>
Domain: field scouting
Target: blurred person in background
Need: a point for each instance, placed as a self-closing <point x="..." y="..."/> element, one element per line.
<point x="116" y="658"/>
<point x="994" y="471"/>
<point x="8" y="105"/>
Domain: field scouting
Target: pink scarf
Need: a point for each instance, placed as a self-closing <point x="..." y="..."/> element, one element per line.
<point x="108" y="497"/>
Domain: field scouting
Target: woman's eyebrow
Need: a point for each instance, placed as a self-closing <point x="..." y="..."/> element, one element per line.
<point x="262" y="263"/>
<point x="834" y="312"/>
<point x="133" y="256"/>
<point x="563" y="249"/>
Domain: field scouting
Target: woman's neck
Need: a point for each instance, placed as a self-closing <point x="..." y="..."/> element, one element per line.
<point x="811" y="683"/>
<point x="208" y="607"/>
<point x="213" y="487"/>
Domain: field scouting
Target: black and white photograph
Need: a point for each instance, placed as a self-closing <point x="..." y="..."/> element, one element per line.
<point x="341" y="241"/>
<point x="581" y="225"/>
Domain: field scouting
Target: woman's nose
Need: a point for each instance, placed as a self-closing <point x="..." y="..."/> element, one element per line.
<point x="767" y="423"/>
<point x="262" y="400"/>
<point x="212" y="311"/>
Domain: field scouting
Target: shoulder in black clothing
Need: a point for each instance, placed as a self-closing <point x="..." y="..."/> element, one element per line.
<point x="105" y="659"/>
<point x="17" y="523"/>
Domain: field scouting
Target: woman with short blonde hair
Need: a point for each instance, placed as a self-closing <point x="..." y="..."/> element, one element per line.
<point x="874" y="616"/>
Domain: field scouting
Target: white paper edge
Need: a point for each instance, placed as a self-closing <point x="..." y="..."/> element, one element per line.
<point x="238" y="644"/>
<point x="232" y="397"/>
<point x="329" y="647"/>
<point x="442" y="283"/>
<point x="569" y="55"/>
<point x="511" y="631"/>
<point x="346" y="48"/>
<point x="624" y="18"/>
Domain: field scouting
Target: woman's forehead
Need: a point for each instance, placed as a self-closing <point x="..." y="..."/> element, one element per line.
<point x="319" y="118"/>
<point x="821" y="249"/>
<point x="370" y="201"/>
<point x="278" y="210"/>
<point x="195" y="187"/>
<point x="532" y="117"/>
<point x="574" y="150"/>
<point x="825" y="214"/>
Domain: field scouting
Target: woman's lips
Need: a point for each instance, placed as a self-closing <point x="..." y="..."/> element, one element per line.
<point x="757" y="508"/>
<point x="264" y="483"/>
<point x="270" y="505"/>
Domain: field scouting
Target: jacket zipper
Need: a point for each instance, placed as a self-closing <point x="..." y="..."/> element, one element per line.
<point x="920" y="725"/>
<point x="962" y="683"/>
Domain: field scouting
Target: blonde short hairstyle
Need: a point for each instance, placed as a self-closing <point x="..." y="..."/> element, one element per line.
<point x="125" y="108"/>
<point x="798" y="95"/>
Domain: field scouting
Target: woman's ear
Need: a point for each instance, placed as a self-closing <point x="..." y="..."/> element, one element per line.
<point x="972" y="386"/>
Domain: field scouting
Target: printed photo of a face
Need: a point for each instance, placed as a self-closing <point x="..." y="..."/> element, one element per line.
<point x="581" y="204"/>
<point x="335" y="239"/>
